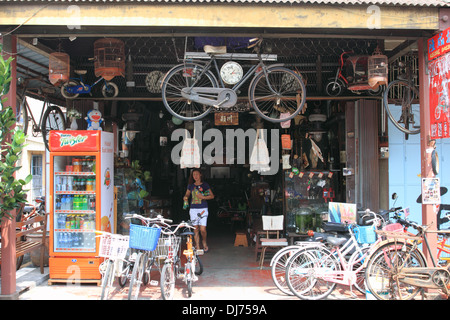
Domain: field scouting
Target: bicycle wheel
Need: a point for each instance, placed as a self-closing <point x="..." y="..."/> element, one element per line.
<point x="53" y="119"/>
<point x="168" y="281"/>
<point x="283" y="91"/>
<point x="137" y="275"/>
<point x="110" y="90"/>
<point x="334" y="88"/>
<point x="189" y="278"/>
<point x="384" y="266"/>
<point x="67" y="94"/>
<point x="198" y="266"/>
<point x="180" y="77"/>
<point x="107" y="280"/>
<point x="360" y="275"/>
<point x="304" y="270"/>
<point x="22" y="113"/>
<point x="279" y="269"/>
<point x="125" y="269"/>
<point x="398" y="99"/>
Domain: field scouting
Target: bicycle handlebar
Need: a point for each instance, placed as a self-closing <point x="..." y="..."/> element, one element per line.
<point x="158" y="219"/>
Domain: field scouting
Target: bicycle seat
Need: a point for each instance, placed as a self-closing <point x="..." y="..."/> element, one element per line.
<point x="186" y="233"/>
<point x="336" y="242"/>
<point x="215" y="49"/>
<point x="80" y="72"/>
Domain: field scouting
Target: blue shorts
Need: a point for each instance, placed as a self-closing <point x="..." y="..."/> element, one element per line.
<point x="196" y="220"/>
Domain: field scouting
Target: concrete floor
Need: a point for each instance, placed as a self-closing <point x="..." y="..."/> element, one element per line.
<point x="230" y="273"/>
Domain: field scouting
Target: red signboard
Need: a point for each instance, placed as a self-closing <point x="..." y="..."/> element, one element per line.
<point x="439" y="44"/>
<point x="439" y="80"/>
<point x="74" y="140"/>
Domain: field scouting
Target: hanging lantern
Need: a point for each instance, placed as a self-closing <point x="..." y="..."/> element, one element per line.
<point x="109" y="56"/>
<point x="58" y="68"/>
<point x="377" y="69"/>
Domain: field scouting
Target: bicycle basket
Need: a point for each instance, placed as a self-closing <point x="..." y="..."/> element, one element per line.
<point x="365" y="234"/>
<point x="113" y="246"/>
<point x="395" y="227"/>
<point x="167" y="247"/>
<point x="144" y="238"/>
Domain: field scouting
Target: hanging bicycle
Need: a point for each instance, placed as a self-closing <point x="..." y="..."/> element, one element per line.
<point x="191" y="90"/>
<point x="399" y="99"/>
<point x="51" y="118"/>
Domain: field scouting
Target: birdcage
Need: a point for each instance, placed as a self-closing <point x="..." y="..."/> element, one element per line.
<point x="377" y="69"/>
<point x="58" y="68"/>
<point x="109" y="56"/>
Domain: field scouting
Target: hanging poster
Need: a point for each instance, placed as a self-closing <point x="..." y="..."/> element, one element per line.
<point x="431" y="192"/>
<point x="439" y="79"/>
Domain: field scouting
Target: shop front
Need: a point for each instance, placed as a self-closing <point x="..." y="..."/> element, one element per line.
<point x="332" y="151"/>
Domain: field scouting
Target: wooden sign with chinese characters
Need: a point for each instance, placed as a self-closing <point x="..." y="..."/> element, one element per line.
<point x="226" y="119"/>
<point x="439" y="81"/>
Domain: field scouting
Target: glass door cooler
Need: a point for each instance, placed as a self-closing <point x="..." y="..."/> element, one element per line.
<point x="81" y="201"/>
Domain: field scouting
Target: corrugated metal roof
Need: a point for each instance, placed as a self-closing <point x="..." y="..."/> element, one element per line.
<point x="419" y="3"/>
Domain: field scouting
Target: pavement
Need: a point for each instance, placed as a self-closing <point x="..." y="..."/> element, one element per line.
<point x="230" y="274"/>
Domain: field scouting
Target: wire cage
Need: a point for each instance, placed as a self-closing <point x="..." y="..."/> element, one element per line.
<point x="109" y="56"/>
<point x="58" y="68"/>
<point x="378" y="69"/>
<point x="113" y="246"/>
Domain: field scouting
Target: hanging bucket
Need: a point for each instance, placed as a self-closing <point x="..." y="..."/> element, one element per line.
<point x="109" y="56"/>
<point x="58" y="68"/>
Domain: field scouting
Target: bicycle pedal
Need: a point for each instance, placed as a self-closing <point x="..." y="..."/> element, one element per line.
<point x="154" y="282"/>
<point x="200" y="252"/>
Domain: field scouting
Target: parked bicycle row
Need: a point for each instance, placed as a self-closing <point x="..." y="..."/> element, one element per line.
<point x="151" y="248"/>
<point x="382" y="259"/>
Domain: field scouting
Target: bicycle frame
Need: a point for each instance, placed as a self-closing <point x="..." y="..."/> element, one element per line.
<point x="82" y="87"/>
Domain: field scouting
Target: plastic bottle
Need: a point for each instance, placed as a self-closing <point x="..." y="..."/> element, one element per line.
<point x="185" y="204"/>
<point x="67" y="226"/>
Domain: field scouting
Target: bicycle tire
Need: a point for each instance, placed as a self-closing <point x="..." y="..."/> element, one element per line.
<point x="110" y="90"/>
<point x="125" y="269"/>
<point x="107" y="280"/>
<point x="334" y="88"/>
<point x="301" y="273"/>
<point x="22" y="113"/>
<point x="395" y="94"/>
<point x="360" y="275"/>
<point x="381" y="279"/>
<point x="167" y="282"/>
<point x="189" y="280"/>
<point x="136" y="276"/>
<point x="175" y="81"/>
<point x="198" y="266"/>
<point x="290" y="94"/>
<point x="278" y="268"/>
<point x="66" y="94"/>
<point x="53" y="119"/>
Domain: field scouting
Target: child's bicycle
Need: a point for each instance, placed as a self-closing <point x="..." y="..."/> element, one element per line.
<point x="76" y="86"/>
<point x="114" y="248"/>
<point x="172" y="269"/>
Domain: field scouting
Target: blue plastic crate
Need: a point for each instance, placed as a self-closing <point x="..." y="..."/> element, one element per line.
<point x="365" y="234"/>
<point x="144" y="238"/>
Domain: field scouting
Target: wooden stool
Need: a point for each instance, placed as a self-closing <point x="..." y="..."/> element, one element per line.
<point x="241" y="239"/>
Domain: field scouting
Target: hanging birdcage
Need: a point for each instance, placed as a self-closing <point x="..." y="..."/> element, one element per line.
<point x="109" y="56"/>
<point x="58" y="68"/>
<point x="377" y="69"/>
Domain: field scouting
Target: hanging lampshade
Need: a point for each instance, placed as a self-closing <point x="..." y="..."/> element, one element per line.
<point x="377" y="69"/>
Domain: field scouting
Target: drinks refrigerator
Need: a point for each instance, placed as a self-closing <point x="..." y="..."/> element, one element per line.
<point x="81" y="201"/>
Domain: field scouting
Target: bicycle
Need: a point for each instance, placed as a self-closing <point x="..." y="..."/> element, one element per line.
<point x="399" y="270"/>
<point x="313" y="272"/>
<point x="52" y="118"/>
<point x="171" y="270"/>
<point x="144" y="239"/>
<point x="76" y="86"/>
<point x="403" y="92"/>
<point x="190" y="90"/>
<point x="114" y="248"/>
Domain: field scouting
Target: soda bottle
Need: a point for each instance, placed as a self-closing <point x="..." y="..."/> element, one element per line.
<point x="67" y="222"/>
<point x="77" y="221"/>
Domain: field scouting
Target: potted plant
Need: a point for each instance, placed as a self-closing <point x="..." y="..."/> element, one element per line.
<point x="12" y="193"/>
